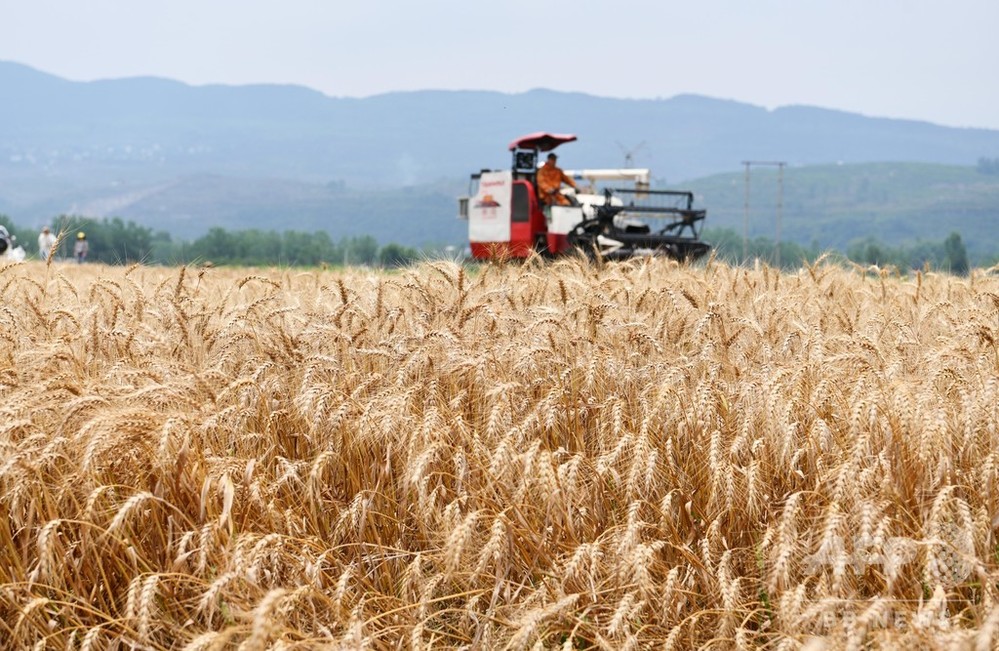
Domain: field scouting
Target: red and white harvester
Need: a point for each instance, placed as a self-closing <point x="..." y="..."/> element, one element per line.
<point x="506" y="219"/>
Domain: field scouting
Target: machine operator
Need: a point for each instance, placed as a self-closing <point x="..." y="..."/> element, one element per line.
<point x="550" y="179"/>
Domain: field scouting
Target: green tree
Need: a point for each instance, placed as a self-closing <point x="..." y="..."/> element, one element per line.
<point x="359" y="250"/>
<point x="728" y="246"/>
<point x="870" y="251"/>
<point x="396" y="255"/>
<point x="217" y="246"/>
<point x="163" y="250"/>
<point x="112" y="241"/>
<point x="955" y="255"/>
<point x="257" y="247"/>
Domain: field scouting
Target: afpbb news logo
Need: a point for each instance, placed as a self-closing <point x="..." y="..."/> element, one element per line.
<point x="945" y="556"/>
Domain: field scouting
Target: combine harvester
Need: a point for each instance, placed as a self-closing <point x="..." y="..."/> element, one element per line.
<point x="506" y="219"/>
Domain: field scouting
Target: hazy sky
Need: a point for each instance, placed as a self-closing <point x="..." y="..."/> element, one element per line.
<point x="920" y="59"/>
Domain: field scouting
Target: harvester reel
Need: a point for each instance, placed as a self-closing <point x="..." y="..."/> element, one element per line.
<point x="584" y="236"/>
<point x="597" y="240"/>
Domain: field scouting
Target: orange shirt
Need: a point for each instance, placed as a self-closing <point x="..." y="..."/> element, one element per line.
<point x="550" y="178"/>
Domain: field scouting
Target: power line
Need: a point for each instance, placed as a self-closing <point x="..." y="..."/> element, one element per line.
<point x="780" y="204"/>
<point x="629" y="154"/>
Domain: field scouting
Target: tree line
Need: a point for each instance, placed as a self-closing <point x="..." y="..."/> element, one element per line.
<point x="114" y="241"/>
<point x="949" y="254"/>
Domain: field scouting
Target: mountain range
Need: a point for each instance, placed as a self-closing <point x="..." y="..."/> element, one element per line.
<point x="184" y="158"/>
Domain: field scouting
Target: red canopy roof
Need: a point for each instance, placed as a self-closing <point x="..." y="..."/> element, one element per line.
<point x="541" y="141"/>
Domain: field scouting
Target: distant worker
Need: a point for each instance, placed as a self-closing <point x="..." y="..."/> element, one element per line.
<point x="81" y="248"/>
<point x="550" y="180"/>
<point x="46" y="240"/>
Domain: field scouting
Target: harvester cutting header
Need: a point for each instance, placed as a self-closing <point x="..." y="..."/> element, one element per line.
<point x="524" y="210"/>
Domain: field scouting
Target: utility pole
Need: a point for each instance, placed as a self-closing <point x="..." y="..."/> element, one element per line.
<point x="745" y="217"/>
<point x="780" y="204"/>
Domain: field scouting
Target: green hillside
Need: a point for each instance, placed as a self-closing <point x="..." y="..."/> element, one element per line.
<point x="831" y="206"/>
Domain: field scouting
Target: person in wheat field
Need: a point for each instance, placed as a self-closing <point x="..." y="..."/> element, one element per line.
<point x="46" y="240"/>
<point x="550" y="179"/>
<point x="81" y="248"/>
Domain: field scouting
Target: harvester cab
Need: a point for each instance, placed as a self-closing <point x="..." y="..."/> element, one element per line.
<point x="506" y="218"/>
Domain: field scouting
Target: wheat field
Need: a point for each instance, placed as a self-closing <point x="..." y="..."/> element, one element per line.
<point x="549" y="455"/>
